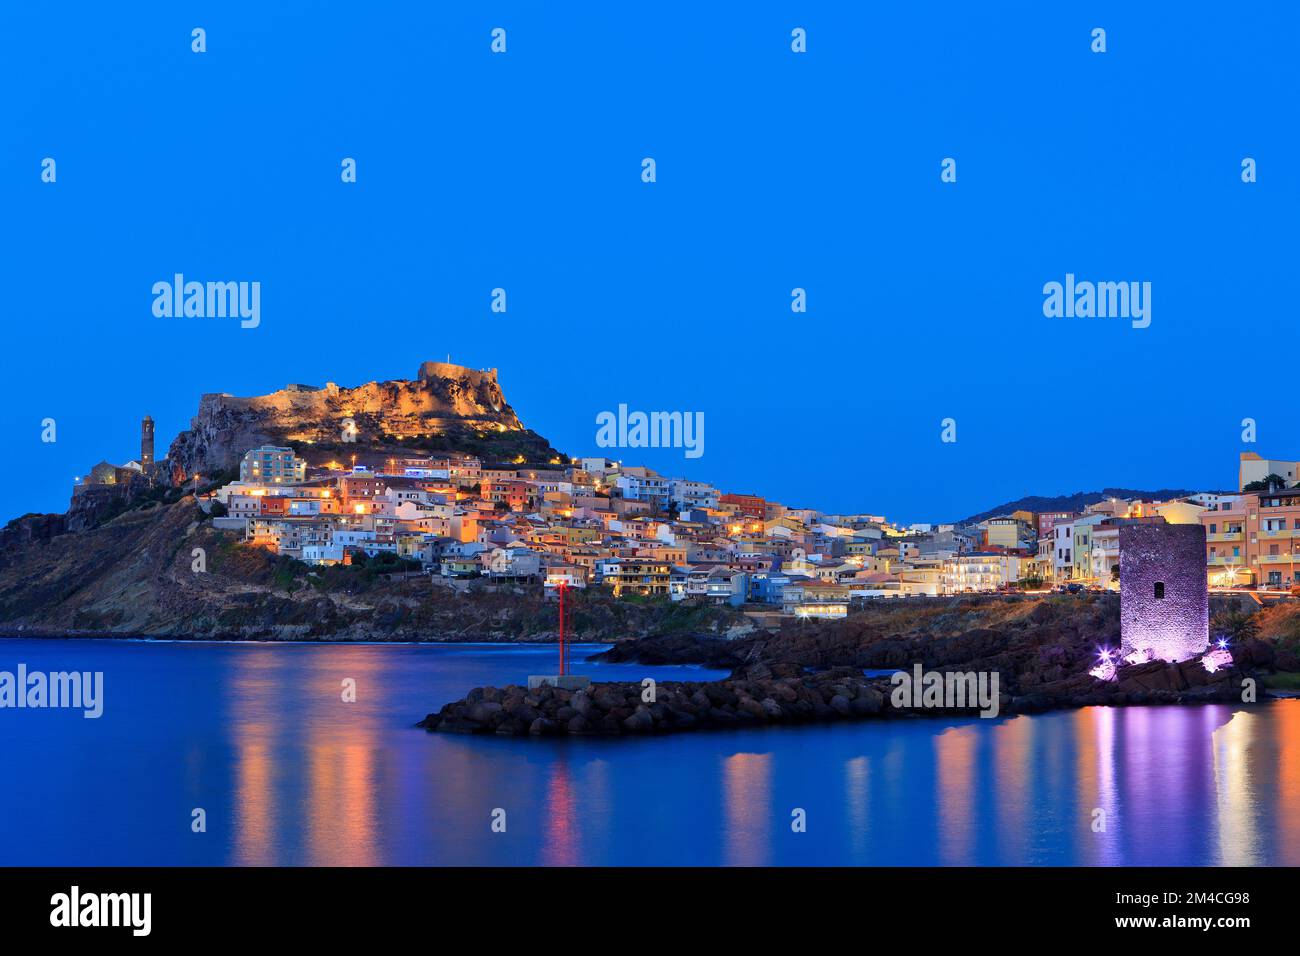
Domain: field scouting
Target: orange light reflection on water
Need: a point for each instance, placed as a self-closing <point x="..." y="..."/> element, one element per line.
<point x="337" y="747"/>
<point x="955" y="783"/>
<point x="746" y="806"/>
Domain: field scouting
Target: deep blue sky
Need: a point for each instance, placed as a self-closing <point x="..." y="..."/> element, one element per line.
<point x="775" y="170"/>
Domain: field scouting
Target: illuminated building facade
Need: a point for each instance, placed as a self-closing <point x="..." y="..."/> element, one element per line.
<point x="272" y="466"/>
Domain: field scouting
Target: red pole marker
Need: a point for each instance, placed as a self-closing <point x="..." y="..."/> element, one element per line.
<point x="561" y="628"/>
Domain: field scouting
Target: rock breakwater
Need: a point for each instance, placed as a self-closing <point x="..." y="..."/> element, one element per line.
<point x="760" y="695"/>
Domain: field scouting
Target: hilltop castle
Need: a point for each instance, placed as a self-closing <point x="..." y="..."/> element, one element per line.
<point x="433" y="370"/>
<point x="444" y="400"/>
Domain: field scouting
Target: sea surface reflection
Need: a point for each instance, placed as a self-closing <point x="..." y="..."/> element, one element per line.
<point x="260" y="738"/>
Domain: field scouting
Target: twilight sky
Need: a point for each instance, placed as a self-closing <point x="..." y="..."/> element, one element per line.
<point x="775" y="170"/>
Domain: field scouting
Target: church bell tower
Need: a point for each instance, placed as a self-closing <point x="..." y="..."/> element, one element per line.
<point x="146" y="442"/>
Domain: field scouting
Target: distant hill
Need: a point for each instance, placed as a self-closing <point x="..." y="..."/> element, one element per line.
<point x="1077" y="501"/>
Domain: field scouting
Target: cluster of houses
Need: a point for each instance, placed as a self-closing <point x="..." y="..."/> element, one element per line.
<point x="1252" y="538"/>
<point x="596" y="523"/>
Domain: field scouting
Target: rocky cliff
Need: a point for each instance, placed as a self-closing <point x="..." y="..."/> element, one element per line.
<point x="31" y="529"/>
<point x="446" y="407"/>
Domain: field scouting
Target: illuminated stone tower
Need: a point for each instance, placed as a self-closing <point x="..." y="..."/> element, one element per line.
<point x="146" y="442"/>
<point x="1164" y="599"/>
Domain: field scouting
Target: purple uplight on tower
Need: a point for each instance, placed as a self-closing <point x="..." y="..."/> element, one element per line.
<point x="1107" y="663"/>
<point x="1217" y="658"/>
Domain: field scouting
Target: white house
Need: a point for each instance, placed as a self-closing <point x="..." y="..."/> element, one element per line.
<point x="322" y="553"/>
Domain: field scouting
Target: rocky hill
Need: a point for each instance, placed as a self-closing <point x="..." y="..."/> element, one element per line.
<point x="446" y="407"/>
<point x="122" y="559"/>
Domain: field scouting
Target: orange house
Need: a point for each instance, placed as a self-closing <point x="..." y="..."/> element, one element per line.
<point x="1256" y="541"/>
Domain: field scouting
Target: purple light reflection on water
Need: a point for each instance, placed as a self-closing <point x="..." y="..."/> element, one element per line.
<point x="258" y="736"/>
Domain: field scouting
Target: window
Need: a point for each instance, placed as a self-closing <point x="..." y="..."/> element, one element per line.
<point x="1160" y="590"/>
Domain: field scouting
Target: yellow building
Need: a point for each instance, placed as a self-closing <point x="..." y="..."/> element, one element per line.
<point x="640" y="577"/>
<point x="1003" y="532"/>
<point x="1174" y="512"/>
<point x="673" y="554"/>
<point x="1179" y="512"/>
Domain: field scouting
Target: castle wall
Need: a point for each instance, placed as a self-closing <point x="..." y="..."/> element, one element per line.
<point x="475" y="376"/>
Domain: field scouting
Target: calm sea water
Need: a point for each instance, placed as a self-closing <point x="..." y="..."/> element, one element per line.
<point x="258" y="736"/>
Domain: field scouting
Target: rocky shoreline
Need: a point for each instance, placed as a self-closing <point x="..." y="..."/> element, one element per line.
<point x="763" y="695"/>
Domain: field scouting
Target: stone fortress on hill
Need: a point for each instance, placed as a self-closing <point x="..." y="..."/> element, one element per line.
<point x="445" y="405"/>
<point x="442" y="400"/>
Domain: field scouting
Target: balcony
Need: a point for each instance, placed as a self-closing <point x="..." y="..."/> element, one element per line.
<point x="1278" y="558"/>
<point x="1226" y="559"/>
<point x="1280" y="533"/>
<point x="1225" y="536"/>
